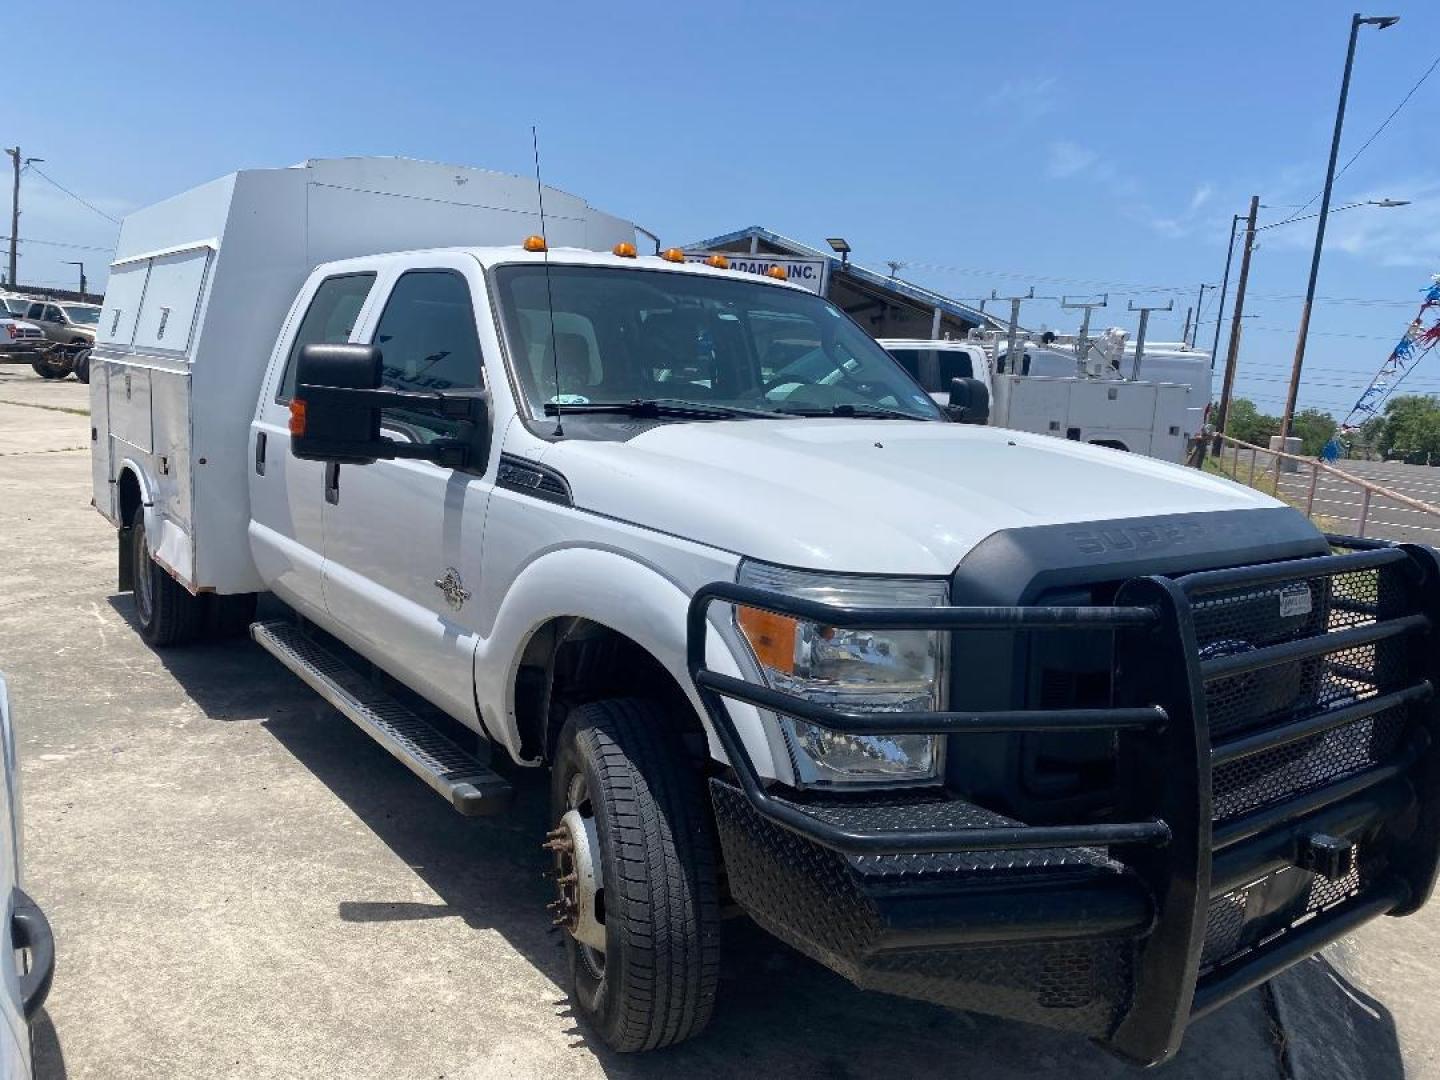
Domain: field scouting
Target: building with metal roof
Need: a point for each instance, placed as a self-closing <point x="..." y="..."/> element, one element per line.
<point x="884" y="304"/>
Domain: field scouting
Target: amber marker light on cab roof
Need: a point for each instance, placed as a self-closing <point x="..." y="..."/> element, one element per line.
<point x="777" y="272"/>
<point x="719" y="262"/>
<point x="624" y="250"/>
<point x="534" y="243"/>
<point x="673" y="255"/>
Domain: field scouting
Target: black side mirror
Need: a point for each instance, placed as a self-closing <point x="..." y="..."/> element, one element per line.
<point x="335" y="414"/>
<point x="326" y="423"/>
<point x="969" y="402"/>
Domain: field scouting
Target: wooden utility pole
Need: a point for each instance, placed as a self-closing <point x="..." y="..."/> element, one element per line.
<point x="14" y="152"/>
<point x="1234" y="352"/>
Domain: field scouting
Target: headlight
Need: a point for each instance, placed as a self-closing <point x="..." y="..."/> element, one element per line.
<point x="876" y="670"/>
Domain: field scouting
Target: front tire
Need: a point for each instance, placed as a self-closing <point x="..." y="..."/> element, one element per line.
<point x="82" y="366"/>
<point x="654" y="984"/>
<point x="45" y="371"/>
<point x="165" y="610"/>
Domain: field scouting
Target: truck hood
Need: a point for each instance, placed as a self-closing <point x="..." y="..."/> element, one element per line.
<point x="872" y="496"/>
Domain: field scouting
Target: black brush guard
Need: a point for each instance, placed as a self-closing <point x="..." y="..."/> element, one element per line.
<point x="924" y="898"/>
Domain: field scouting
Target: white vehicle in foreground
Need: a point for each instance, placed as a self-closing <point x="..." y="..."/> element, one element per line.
<point x="25" y="981"/>
<point x="975" y="716"/>
<point x="1049" y="396"/>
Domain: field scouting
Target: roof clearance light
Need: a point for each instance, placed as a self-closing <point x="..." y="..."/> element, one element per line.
<point x="777" y="272"/>
<point x="673" y="255"/>
<point x="624" y="250"/>
<point x="534" y="243"/>
<point x="719" y="262"/>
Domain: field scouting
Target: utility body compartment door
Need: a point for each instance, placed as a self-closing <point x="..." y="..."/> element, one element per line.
<point x="129" y="405"/>
<point x="403" y="539"/>
<point x="102" y="467"/>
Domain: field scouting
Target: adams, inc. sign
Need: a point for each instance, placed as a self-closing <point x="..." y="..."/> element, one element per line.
<point x="807" y="273"/>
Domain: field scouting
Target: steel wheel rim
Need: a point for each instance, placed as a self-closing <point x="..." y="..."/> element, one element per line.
<point x="577" y="797"/>
<point x="144" y="587"/>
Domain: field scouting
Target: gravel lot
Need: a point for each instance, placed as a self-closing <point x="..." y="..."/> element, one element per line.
<point x="243" y="885"/>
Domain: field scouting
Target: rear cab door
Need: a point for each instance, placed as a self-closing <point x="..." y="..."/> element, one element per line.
<point x="287" y="494"/>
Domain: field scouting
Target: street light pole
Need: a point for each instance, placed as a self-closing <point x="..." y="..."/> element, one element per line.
<point x="1356" y="21"/>
<point x="1224" y="289"/>
<point x="81" y="265"/>
<point x="1222" y="418"/>
<point x="14" y="152"/>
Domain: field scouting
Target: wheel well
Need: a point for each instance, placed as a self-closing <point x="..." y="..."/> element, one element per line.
<point x="129" y="496"/>
<point x="1113" y="444"/>
<point x="572" y="661"/>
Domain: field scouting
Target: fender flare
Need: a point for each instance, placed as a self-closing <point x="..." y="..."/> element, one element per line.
<point x="632" y="598"/>
<point x="147" y="498"/>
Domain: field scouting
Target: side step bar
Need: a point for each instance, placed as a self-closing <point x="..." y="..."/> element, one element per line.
<point x="471" y="787"/>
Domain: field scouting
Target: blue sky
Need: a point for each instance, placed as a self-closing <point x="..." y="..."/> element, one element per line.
<point x="1078" y="148"/>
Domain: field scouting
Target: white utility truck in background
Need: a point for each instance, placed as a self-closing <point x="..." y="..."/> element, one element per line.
<point x="970" y="715"/>
<point x="1052" y="392"/>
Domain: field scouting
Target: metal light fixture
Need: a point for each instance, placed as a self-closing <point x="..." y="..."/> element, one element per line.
<point x="841" y="247"/>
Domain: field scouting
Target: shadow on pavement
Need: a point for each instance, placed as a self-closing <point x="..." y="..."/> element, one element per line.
<point x="48" y="1059"/>
<point x="1334" y="1029"/>
<point x="231" y="679"/>
<point x="778" y="1012"/>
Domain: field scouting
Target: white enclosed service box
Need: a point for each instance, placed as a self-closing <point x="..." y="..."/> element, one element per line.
<point x="201" y="283"/>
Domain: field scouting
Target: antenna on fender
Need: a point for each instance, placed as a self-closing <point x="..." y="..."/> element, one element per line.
<point x="549" y="295"/>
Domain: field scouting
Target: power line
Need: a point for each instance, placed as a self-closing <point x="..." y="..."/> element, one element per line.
<point x="1324" y="333"/>
<point x="1373" y="136"/>
<point x="1123" y="287"/>
<point x="77" y="198"/>
<point x="61" y="244"/>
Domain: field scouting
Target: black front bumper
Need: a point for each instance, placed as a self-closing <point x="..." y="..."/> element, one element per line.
<point x="1272" y="797"/>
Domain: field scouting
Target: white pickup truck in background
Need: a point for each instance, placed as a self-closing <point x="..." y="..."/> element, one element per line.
<point x="976" y="716"/>
<point x="1051" y="393"/>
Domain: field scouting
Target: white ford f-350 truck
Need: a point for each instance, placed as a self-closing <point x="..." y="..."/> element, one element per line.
<point x="984" y="718"/>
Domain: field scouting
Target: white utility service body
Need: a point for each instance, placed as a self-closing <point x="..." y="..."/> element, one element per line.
<point x="197" y="292"/>
<point x="1144" y="417"/>
<point x="668" y="529"/>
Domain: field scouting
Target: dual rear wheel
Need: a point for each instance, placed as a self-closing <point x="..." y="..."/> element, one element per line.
<point x="167" y="612"/>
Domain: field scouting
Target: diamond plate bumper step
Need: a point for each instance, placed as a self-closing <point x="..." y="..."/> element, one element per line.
<point x="471" y="787"/>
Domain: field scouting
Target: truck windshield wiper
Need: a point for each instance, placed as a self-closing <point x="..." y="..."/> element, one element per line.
<point x="863" y="409"/>
<point x="648" y="407"/>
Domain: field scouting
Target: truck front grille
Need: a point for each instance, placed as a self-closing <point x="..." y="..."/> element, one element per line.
<point x="1229" y="623"/>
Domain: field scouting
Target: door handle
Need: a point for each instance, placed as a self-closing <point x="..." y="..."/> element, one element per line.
<point x="29" y="929"/>
<point x="260" y="453"/>
<point x="332" y="482"/>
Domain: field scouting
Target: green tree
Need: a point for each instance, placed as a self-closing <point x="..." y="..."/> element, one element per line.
<point x="1314" y="428"/>
<point x="1412" y="428"/>
<point x="1249" y="424"/>
<point x="1365" y="440"/>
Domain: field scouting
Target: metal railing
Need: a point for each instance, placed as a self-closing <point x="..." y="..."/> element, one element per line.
<point x="1343" y="503"/>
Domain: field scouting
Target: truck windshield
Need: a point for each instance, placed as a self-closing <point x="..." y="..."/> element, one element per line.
<point x="934" y="368"/>
<point x="623" y="335"/>
<point x="82" y="313"/>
